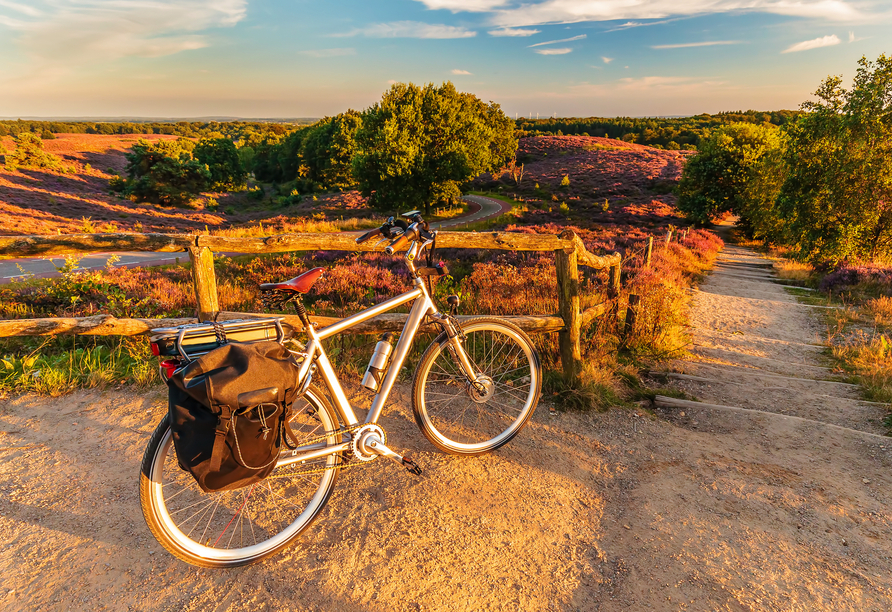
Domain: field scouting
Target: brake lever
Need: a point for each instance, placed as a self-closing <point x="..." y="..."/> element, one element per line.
<point x="380" y="241"/>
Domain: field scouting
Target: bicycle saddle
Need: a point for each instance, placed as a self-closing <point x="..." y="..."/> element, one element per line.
<point x="298" y="284"/>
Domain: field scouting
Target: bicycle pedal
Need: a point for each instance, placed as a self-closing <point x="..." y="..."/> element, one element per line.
<point x="413" y="467"/>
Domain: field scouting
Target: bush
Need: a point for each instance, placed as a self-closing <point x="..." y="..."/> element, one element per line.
<point x="163" y="173"/>
<point x="47" y="135"/>
<point x="29" y="153"/>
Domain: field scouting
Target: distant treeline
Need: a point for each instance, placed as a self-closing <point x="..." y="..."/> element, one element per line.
<point x="234" y="130"/>
<point x="658" y="132"/>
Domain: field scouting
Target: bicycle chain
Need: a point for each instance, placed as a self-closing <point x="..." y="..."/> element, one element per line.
<point x="340" y="465"/>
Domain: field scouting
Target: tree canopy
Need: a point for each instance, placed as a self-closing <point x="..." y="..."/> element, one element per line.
<point x="223" y="162"/>
<point x="822" y="184"/>
<point x="164" y="172"/>
<point x="714" y="181"/>
<point x="837" y="193"/>
<point x="418" y="144"/>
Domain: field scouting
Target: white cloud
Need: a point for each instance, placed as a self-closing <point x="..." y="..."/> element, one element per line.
<point x="336" y="52"/>
<point x="67" y="33"/>
<point x="575" y="11"/>
<point x="30" y="11"/>
<point x="710" y="43"/>
<point x="552" y="42"/>
<point x="817" y="43"/>
<point x="467" y="6"/>
<point x="607" y="60"/>
<point x="513" y="32"/>
<point x="560" y="51"/>
<point x="458" y="71"/>
<point x="410" y="29"/>
<point x="661" y="85"/>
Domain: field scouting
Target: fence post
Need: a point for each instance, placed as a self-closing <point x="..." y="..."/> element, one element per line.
<point x="631" y="315"/>
<point x="613" y="285"/>
<point x="205" y="282"/>
<point x="668" y="236"/>
<point x="650" y="250"/>
<point x="568" y="308"/>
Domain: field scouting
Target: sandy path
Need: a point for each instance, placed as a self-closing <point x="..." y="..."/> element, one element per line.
<point x="758" y="348"/>
<point x="702" y="509"/>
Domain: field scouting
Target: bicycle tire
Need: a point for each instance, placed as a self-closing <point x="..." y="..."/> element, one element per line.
<point x="442" y="399"/>
<point x="170" y="498"/>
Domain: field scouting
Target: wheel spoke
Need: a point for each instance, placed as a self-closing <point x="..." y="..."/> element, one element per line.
<point x="201" y="527"/>
<point x="452" y="415"/>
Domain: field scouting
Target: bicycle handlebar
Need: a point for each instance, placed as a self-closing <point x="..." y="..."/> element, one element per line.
<point x="370" y="234"/>
<point x="399" y="243"/>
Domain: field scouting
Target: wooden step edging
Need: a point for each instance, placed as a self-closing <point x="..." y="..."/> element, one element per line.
<point x="756" y="372"/>
<point x="671" y="402"/>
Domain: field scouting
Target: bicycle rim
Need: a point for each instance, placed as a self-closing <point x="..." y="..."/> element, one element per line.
<point x="443" y="402"/>
<point x="230" y="528"/>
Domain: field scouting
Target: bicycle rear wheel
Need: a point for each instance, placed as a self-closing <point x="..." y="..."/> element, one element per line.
<point x="240" y="527"/>
<point x="462" y="419"/>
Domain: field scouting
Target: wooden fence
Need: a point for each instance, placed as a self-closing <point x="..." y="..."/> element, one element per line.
<point x="570" y="253"/>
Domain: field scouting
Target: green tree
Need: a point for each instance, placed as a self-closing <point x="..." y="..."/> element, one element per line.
<point x="714" y="180"/>
<point x="837" y="195"/>
<point x="223" y="162"/>
<point x="329" y="148"/>
<point x="418" y="144"/>
<point x="29" y="153"/>
<point x="164" y="173"/>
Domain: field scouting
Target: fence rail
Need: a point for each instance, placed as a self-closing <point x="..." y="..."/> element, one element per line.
<point x="570" y="253"/>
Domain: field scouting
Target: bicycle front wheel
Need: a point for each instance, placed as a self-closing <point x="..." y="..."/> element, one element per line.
<point x="465" y="418"/>
<point x="243" y="526"/>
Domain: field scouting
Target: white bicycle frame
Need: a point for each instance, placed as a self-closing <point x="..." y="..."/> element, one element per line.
<point x="316" y="356"/>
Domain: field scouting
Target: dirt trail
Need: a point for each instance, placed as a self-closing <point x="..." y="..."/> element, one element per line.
<point x="756" y="347"/>
<point x="707" y="510"/>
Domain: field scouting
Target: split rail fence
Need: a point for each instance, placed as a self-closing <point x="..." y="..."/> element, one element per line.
<point x="570" y="254"/>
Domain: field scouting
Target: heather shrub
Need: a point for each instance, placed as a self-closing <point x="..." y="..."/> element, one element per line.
<point x="871" y="278"/>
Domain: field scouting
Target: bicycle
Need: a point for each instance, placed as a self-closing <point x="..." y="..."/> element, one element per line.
<point x="474" y="389"/>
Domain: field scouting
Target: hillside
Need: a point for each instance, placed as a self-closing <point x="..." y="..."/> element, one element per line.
<point x="609" y="181"/>
<point x="47" y="201"/>
<point x="634" y="180"/>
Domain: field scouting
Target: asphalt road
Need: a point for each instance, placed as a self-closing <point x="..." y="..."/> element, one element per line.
<point x="45" y="267"/>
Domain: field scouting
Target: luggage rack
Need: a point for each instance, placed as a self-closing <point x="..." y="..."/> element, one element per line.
<point x="193" y="340"/>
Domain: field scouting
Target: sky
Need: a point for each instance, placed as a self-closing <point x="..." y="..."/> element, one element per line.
<point x="311" y="58"/>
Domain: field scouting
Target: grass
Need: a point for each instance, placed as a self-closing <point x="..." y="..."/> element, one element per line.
<point x="60" y="365"/>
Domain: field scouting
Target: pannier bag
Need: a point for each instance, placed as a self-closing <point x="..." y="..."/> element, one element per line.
<point x="229" y="411"/>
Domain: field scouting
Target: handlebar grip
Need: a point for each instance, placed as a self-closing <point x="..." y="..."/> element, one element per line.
<point x="367" y="235"/>
<point x="397" y="244"/>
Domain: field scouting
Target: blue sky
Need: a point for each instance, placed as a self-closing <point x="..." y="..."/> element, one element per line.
<point x="302" y="58"/>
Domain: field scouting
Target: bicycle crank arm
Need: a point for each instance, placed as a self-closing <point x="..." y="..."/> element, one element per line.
<point x="379" y="448"/>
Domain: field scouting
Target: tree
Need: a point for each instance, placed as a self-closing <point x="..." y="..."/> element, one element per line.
<point x="418" y="144"/>
<point x="164" y="173"/>
<point x="223" y="162"/>
<point x="714" y="180"/>
<point x="29" y="153"/>
<point x="329" y="148"/>
<point x="837" y="195"/>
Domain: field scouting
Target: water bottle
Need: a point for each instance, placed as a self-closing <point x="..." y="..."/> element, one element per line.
<point x="374" y="374"/>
